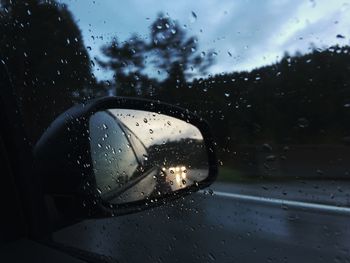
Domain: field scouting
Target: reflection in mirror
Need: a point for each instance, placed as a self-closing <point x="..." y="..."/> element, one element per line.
<point x="138" y="154"/>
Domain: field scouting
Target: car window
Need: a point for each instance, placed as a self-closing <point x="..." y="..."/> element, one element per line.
<point x="271" y="78"/>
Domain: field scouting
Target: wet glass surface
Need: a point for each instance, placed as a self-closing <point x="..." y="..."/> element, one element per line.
<point x="270" y="77"/>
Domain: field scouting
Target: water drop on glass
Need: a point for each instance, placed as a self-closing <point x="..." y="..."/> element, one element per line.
<point x="193" y="17"/>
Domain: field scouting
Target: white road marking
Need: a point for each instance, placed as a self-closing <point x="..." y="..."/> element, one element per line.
<point x="285" y="203"/>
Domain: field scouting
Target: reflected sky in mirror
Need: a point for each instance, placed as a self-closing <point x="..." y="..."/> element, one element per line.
<point x="153" y="128"/>
<point x="245" y="34"/>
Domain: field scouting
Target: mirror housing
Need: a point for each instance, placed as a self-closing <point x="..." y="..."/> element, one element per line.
<point x="65" y="164"/>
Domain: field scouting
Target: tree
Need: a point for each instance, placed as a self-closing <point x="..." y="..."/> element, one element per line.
<point x="169" y="52"/>
<point x="175" y="51"/>
<point x="127" y="62"/>
<point x="49" y="66"/>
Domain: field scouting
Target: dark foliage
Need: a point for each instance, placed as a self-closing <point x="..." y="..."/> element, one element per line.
<point x="49" y="66"/>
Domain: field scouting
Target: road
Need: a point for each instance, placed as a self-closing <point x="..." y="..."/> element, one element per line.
<point x="223" y="227"/>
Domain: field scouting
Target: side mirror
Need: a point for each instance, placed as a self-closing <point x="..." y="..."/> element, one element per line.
<point x="114" y="156"/>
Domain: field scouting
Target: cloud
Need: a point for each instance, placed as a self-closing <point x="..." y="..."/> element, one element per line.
<point x="246" y="34"/>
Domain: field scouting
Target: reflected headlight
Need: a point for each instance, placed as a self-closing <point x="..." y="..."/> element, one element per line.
<point x="179" y="172"/>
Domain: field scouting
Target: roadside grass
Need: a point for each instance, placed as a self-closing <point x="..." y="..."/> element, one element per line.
<point x="231" y="175"/>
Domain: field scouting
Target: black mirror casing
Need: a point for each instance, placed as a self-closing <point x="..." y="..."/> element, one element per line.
<point x="63" y="159"/>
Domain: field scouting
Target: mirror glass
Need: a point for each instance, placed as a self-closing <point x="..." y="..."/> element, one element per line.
<point x="140" y="155"/>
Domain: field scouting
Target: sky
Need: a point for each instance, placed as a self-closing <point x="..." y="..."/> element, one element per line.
<point x="245" y="34"/>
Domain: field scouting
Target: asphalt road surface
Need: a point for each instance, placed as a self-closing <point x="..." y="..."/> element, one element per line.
<point x="243" y="224"/>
